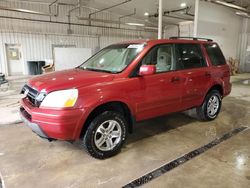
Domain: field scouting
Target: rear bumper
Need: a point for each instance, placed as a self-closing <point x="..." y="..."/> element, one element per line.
<point x="227" y="89"/>
<point x="62" y="124"/>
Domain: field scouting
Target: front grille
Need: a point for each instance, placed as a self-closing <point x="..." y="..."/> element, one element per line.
<point x="31" y="94"/>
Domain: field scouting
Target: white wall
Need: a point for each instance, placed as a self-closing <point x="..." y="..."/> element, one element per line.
<point x="186" y="29"/>
<point x="170" y="31"/>
<point x="244" y="47"/>
<point x="222" y="25"/>
<point x="68" y="58"/>
<point x="35" y="47"/>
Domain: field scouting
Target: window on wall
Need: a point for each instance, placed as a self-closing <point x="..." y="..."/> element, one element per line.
<point x="190" y="56"/>
<point x="162" y="57"/>
<point x="215" y="54"/>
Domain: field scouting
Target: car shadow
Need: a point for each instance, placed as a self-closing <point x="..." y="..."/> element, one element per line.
<point x="151" y="127"/>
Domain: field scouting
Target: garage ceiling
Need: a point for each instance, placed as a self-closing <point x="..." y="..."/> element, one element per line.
<point x="145" y="6"/>
<point x="142" y="6"/>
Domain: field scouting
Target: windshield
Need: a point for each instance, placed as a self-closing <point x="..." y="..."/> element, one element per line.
<point x="113" y="59"/>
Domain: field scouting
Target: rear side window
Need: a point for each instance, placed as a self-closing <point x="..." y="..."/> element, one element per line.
<point x="190" y="56"/>
<point x="215" y="54"/>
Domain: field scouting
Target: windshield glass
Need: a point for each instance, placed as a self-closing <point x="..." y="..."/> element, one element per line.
<point x="113" y="59"/>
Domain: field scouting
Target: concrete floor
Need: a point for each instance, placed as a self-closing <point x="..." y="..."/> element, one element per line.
<point x="28" y="161"/>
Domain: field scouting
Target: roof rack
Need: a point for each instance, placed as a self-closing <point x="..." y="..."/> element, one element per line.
<point x="193" y="38"/>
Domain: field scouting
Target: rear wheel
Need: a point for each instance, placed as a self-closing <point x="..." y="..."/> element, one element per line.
<point x="105" y="135"/>
<point x="211" y="106"/>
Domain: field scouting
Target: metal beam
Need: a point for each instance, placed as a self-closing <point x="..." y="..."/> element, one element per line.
<point x="179" y="18"/>
<point x="99" y="20"/>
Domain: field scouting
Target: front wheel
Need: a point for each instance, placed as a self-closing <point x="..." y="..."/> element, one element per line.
<point x="105" y="135"/>
<point x="211" y="106"/>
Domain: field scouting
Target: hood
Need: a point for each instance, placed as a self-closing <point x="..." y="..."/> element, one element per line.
<point x="73" y="78"/>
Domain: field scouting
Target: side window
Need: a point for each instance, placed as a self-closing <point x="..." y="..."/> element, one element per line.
<point x="190" y="56"/>
<point x="215" y="54"/>
<point x="162" y="57"/>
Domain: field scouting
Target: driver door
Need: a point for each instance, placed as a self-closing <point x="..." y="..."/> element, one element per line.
<point x="160" y="93"/>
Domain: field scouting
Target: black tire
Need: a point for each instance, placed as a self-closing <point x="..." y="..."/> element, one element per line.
<point x="89" y="140"/>
<point x="203" y="112"/>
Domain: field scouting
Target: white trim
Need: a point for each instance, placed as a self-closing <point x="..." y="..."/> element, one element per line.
<point x="5" y="61"/>
<point x="196" y="15"/>
<point x="160" y="20"/>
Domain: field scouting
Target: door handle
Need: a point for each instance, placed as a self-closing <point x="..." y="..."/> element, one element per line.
<point x="175" y="79"/>
<point x="207" y="74"/>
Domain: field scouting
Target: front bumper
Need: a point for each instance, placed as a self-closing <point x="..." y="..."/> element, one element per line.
<point x="34" y="127"/>
<point x="62" y="124"/>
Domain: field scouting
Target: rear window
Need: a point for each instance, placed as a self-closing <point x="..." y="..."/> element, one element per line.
<point x="190" y="56"/>
<point x="215" y="54"/>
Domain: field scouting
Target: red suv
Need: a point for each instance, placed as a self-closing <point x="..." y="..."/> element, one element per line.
<point x="99" y="101"/>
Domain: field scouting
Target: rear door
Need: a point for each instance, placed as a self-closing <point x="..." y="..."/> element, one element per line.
<point x="193" y="69"/>
<point x="220" y="69"/>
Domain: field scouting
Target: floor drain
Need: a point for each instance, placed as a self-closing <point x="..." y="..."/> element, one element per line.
<point x="181" y="160"/>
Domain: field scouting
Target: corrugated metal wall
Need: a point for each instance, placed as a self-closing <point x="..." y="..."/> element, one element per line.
<point x="39" y="46"/>
<point x="37" y="38"/>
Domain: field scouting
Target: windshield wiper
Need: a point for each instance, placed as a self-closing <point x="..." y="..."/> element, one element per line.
<point x="97" y="70"/>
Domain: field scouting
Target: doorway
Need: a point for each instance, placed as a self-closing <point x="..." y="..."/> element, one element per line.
<point x="14" y="59"/>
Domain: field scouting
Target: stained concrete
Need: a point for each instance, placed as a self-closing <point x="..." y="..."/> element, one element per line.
<point x="28" y="161"/>
<point x="9" y="100"/>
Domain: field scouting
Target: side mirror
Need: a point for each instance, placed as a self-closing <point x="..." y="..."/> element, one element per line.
<point x="146" y="70"/>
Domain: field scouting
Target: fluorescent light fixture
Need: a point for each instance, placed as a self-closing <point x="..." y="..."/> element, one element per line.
<point x="151" y="28"/>
<point x="230" y="5"/>
<point x="146" y="14"/>
<point x="244" y="14"/>
<point x="183" y="5"/>
<point x="186" y="22"/>
<point x="135" y="24"/>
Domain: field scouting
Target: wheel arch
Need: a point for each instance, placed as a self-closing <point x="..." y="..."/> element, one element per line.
<point x="118" y="106"/>
<point x="217" y="87"/>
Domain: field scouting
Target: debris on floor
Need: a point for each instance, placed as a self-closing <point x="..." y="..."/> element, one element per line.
<point x="2" y="78"/>
<point x="3" y="82"/>
<point x="9" y="99"/>
<point x="234" y="65"/>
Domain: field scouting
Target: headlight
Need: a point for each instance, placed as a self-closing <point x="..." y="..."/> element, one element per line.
<point x="62" y="98"/>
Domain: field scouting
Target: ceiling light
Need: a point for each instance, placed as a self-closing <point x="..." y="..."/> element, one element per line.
<point x="230" y="5"/>
<point x="183" y="5"/>
<point x="146" y="14"/>
<point x="136" y="24"/>
<point x="186" y="22"/>
<point x="151" y="28"/>
<point x="244" y="14"/>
